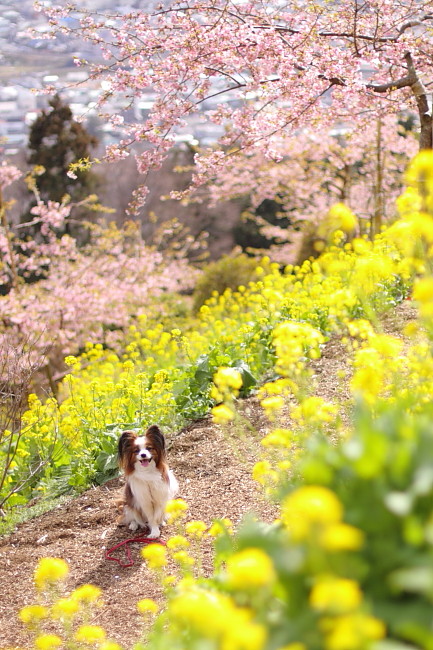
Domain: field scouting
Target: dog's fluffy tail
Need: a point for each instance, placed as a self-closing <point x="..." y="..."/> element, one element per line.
<point x="173" y="485"/>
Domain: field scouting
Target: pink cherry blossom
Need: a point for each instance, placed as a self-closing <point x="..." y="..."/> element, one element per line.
<point x="264" y="72"/>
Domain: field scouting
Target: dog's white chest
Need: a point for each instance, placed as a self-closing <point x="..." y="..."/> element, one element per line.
<point x="148" y="488"/>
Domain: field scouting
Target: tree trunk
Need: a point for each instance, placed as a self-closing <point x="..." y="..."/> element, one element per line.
<point x="424" y="110"/>
<point x="425" y="137"/>
<point x="377" y="218"/>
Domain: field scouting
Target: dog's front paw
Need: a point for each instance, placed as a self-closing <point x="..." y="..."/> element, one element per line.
<point x="133" y="526"/>
<point x="154" y="532"/>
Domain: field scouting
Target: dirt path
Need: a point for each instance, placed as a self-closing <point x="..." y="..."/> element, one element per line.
<point x="214" y="472"/>
<point x="215" y="481"/>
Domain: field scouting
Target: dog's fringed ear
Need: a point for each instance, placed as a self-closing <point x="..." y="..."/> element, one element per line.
<point x="155" y="434"/>
<point x="124" y="443"/>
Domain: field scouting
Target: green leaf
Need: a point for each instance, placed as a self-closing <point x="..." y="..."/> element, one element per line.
<point x="248" y="379"/>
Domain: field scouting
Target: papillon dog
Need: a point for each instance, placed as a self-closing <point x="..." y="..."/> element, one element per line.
<point x="149" y="481"/>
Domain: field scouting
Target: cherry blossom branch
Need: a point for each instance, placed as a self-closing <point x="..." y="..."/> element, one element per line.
<point x="397" y="84"/>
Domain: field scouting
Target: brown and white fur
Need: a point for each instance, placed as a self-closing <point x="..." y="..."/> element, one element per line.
<point x="149" y="481"/>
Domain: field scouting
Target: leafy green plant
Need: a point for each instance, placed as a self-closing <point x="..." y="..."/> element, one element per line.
<point x="226" y="273"/>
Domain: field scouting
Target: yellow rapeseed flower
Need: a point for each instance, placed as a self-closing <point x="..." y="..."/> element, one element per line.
<point x="408" y="202"/>
<point x="423" y="290"/>
<point x="244" y="635"/>
<point x="369" y="375"/>
<point x="292" y="340"/>
<point x="86" y="593"/>
<point x="177" y="542"/>
<point x="411" y="330"/>
<point x="361" y="246"/>
<point x="341" y="217"/>
<point x="353" y="631"/>
<point x="32" y="614"/>
<point x="155" y="556"/>
<point x="169" y="581"/>
<point x="250" y="569"/>
<point x="308" y="506"/>
<point x="341" y="537"/>
<point x="222" y="414"/>
<point x="147" y="606"/>
<point x="420" y="171"/>
<point x="263" y="472"/>
<point x="407" y="235"/>
<point x="204" y="611"/>
<point x="215" y="616"/>
<point x="90" y="634"/>
<point x="335" y="595"/>
<point x="65" y="608"/>
<point x="278" y="438"/>
<point x="176" y="509"/>
<point x="48" y="641"/>
<point x="71" y="360"/>
<point x="387" y="346"/>
<point x="314" y="410"/>
<point x="49" y="571"/>
<point x="184" y="560"/>
<point x="219" y="527"/>
<point x="186" y="584"/>
<point x="229" y="378"/>
<point x="361" y="328"/>
<point x="272" y="404"/>
<point x="195" y="529"/>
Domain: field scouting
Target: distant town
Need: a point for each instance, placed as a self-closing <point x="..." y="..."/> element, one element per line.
<point x="30" y="64"/>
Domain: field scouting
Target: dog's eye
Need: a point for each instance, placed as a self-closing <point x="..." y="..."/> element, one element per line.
<point x="136" y="450"/>
<point x="150" y="449"/>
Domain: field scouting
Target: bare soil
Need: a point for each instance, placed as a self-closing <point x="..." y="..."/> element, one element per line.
<point x="213" y="468"/>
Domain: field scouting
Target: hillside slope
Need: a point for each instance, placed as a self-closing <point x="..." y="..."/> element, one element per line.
<point x="214" y="471"/>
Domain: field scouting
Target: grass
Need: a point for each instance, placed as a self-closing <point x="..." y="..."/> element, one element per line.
<point x="28" y="512"/>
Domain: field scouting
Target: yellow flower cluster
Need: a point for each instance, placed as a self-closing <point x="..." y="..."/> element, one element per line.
<point x="50" y="571"/>
<point x="335" y="595"/>
<point x="215" y="616"/>
<point x="294" y="342"/>
<point x="147" y="606"/>
<point x="339" y="218"/>
<point x="155" y="555"/>
<point x="250" y="569"/>
<point x="352" y="631"/>
<point x="68" y="614"/>
<point x="314" y="513"/>
<point x="195" y="529"/>
<point x="175" y="510"/>
<point x="376" y="365"/>
<point x="227" y="383"/>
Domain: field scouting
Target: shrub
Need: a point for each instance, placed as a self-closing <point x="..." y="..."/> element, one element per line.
<point x="227" y="273"/>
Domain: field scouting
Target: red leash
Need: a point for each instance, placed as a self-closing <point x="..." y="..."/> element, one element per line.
<point x="126" y="543"/>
